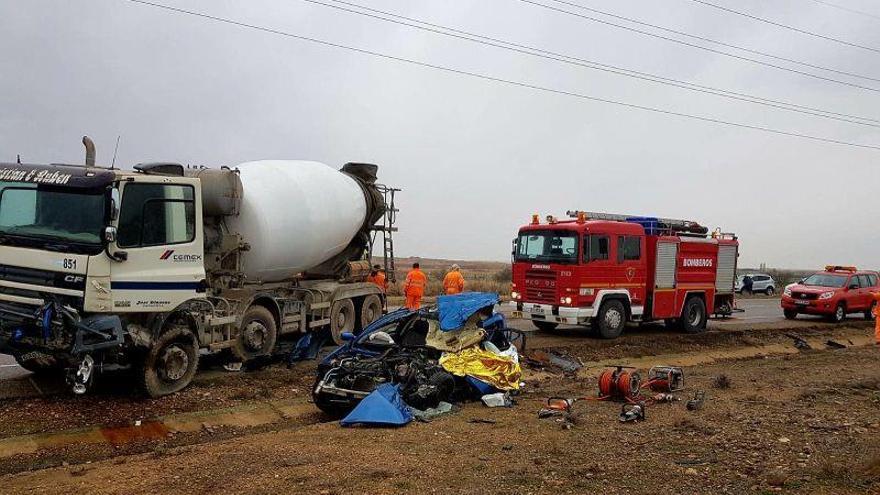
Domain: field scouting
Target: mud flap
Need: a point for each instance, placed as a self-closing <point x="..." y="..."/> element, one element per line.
<point x="97" y="332"/>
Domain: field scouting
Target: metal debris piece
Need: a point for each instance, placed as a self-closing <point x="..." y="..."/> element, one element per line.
<point x="545" y="359"/>
<point x="632" y="412"/>
<point x="799" y="342"/>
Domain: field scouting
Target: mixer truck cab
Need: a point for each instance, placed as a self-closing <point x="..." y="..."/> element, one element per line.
<point x="605" y="270"/>
<point x="148" y="269"/>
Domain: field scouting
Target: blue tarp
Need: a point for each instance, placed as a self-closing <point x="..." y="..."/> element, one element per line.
<point x="456" y="309"/>
<point x="383" y="407"/>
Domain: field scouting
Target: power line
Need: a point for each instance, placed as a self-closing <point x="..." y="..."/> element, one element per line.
<point x="848" y="9"/>
<point x="786" y="26"/>
<point x="549" y="55"/>
<point x="700" y="47"/>
<point x="716" y="42"/>
<point x="509" y="82"/>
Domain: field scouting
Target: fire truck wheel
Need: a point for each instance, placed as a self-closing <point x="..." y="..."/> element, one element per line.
<point x="790" y="314"/>
<point x="611" y="319"/>
<point x="257" y="334"/>
<point x="342" y="319"/>
<point x="545" y="326"/>
<point x="693" y="316"/>
<point x="171" y="362"/>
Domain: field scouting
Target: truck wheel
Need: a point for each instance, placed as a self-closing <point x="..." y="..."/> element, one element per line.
<point x="371" y="309"/>
<point x="545" y="326"/>
<point x="693" y="316"/>
<point x="342" y="319"/>
<point x="839" y="313"/>
<point x="43" y="364"/>
<point x="611" y="319"/>
<point x="869" y="314"/>
<point x="171" y="363"/>
<point x="257" y="334"/>
<point x="790" y="314"/>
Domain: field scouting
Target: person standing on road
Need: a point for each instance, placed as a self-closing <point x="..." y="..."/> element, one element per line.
<point x="453" y="282"/>
<point x="748" y="283"/>
<point x="414" y="287"/>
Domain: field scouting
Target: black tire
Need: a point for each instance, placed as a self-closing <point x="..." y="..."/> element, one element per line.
<point x="839" y="314"/>
<point x="342" y="319"/>
<point x="545" y="326"/>
<point x="327" y="405"/>
<point x="869" y="314"/>
<point x="44" y="365"/>
<point x="256" y="335"/>
<point x="171" y="362"/>
<point x="693" y="315"/>
<point x="769" y="291"/>
<point x="371" y="310"/>
<point x="611" y="319"/>
<point x="790" y="314"/>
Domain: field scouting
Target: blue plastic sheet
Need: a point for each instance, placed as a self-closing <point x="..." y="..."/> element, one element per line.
<point x="456" y="309"/>
<point x="383" y="407"/>
<point x="309" y="345"/>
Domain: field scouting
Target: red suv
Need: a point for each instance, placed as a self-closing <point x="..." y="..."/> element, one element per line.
<point x="836" y="292"/>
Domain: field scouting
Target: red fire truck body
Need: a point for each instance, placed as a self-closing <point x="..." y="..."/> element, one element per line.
<point x="605" y="270"/>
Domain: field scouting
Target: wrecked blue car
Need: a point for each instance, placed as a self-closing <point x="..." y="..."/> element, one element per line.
<point x="403" y="348"/>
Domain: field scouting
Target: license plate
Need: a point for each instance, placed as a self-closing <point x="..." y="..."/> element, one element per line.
<point x="802" y="303"/>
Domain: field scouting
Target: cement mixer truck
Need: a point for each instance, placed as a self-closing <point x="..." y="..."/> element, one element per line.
<point x="149" y="269"/>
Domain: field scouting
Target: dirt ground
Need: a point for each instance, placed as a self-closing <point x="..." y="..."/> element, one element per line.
<point x="776" y="420"/>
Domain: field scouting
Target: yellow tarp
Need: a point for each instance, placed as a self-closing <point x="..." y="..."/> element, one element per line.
<point x="501" y="372"/>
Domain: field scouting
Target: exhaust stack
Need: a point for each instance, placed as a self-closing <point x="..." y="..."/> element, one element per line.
<point x="90" y="151"/>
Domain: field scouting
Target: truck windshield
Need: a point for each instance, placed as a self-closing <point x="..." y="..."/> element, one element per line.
<point x="825" y="280"/>
<point x="557" y="246"/>
<point x="51" y="217"/>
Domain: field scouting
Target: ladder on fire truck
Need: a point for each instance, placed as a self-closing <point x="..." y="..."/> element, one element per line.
<point x="387" y="229"/>
<point x="664" y="225"/>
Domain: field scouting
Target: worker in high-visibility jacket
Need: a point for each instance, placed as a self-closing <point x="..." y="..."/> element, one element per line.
<point x="453" y="282"/>
<point x="414" y="287"/>
<point x="377" y="276"/>
<point x="876" y="310"/>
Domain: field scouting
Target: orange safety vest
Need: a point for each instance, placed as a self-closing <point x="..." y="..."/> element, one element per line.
<point x="379" y="279"/>
<point x="453" y="283"/>
<point x="415" y="283"/>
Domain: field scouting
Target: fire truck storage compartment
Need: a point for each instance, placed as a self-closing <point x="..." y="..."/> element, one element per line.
<point x="664" y="278"/>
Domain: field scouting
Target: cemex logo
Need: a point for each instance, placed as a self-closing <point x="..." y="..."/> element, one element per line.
<point x="167" y="254"/>
<point x="180" y="258"/>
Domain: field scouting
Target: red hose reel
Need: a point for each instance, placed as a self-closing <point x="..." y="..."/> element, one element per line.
<point x="623" y="383"/>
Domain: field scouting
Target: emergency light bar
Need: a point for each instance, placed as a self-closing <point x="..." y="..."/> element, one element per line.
<point x="837" y="268"/>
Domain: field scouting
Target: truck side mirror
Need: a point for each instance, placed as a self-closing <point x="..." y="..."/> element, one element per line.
<point x="110" y="234"/>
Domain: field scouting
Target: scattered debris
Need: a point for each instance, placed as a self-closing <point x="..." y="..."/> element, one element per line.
<point x="431" y="413"/>
<point x="799" y="342"/>
<point x="499" y="399"/>
<point x="483" y="421"/>
<point x="834" y="345"/>
<point x="632" y="412"/>
<point x="696" y="403"/>
<point x="551" y="359"/>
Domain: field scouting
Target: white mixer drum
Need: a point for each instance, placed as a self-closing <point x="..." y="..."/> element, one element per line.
<point x="295" y="215"/>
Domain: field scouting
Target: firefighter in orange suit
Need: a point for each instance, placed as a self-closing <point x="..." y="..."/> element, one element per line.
<point x="453" y="283"/>
<point x="876" y="316"/>
<point x="377" y="276"/>
<point x="414" y="287"/>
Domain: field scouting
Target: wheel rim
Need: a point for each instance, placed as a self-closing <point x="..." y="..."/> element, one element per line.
<point x="694" y="316"/>
<point x="341" y="318"/>
<point x="613" y="318"/>
<point x="839" y="314"/>
<point x="174" y="362"/>
<point x="255" y="334"/>
<point x="770" y="291"/>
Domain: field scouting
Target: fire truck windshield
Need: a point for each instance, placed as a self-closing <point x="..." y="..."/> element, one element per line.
<point x="556" y="246"/>
<point x="51" y="217"/>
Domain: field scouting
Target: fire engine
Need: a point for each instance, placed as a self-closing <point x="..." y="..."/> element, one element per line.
<point x="604" y="270"/>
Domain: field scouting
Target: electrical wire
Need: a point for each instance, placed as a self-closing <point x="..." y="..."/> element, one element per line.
<point x="509" y="82"/>
<point x="700" y="47"/>
<point x="716" y="42"/>
<point x="545" y="54"/>
<point x="786" y="26"/>
<point x="847" y="9"/>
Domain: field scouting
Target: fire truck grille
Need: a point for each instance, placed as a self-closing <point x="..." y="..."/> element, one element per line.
<point x="540" y="287"/>
<point x="808" y="296"/>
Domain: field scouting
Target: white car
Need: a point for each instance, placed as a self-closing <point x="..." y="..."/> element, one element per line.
<point x="761" y="283"/>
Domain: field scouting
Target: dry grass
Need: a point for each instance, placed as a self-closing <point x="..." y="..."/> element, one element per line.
<point x="479" y="276"/>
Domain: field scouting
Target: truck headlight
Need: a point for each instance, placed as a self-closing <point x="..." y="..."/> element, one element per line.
<point x="787" y="292"/>
<point x="826" y="295"/>
<point x="514" y="295"/>
<point x="564" y="300"/>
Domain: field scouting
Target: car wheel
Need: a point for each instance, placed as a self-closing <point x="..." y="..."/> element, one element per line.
<point x="611" y="319"/>
<point x="545" y="326"/>
<point x="770" y="291"/>
<point x="869" y="314"/>
<point x="257" y="334"/>
<point x="790" y="314"/>
<point x="171" y="363"/>
<point x="839" y="313"/>
<point x="693" y="315"/>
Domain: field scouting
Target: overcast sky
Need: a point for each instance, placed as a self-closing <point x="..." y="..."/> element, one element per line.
<point x="475" y="158"/>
